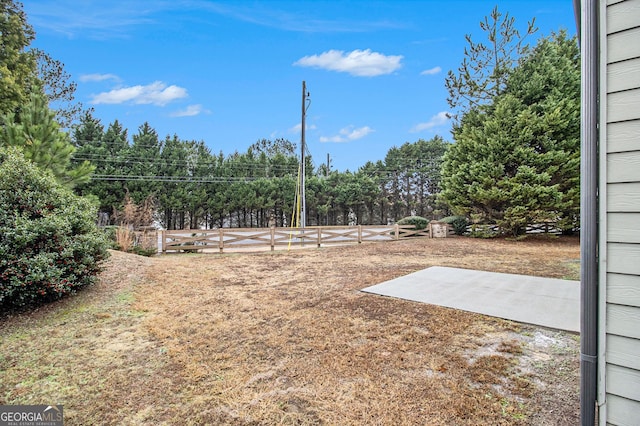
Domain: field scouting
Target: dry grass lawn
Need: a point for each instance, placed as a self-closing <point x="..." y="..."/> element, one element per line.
<point x="288" y="338"/>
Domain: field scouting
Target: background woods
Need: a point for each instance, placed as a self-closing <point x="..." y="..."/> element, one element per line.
<point x="195" y="188"/>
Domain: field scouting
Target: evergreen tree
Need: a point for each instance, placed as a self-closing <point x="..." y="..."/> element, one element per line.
<point x="486" y="67"/>
<point x="517" y="163"/>
<point x="273" y="148"/>
<point x="142" y="159"/>
<point x="116" y="144"/>
<point x="426" y="173"/>
<point x="199" y="168"/>
<point x="18" y="69"/>
<point x="36" y="133"/>
<point x="58" y="87"/>
<point x="172" y="197"/>
<point x="410" y="177"/>
<point x="24" y="71"/>
<point x="88" y="133"/>
<point x="548" y="82"/>
<point x="87" y="139"/>
<point x="115" y="139"/>
<point x="216" y="203"/>
<point x="105" y="151"/>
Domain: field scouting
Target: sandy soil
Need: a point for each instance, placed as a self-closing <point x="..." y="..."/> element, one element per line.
<point x="288" y="338"/>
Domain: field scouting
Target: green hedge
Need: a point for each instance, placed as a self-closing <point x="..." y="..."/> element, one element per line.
<point x="417" y="221"/>
<point x="458" y="224"/>
<point x="49" y="243"/>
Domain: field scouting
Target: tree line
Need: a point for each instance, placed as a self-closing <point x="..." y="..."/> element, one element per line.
<point x="193" y="187"/>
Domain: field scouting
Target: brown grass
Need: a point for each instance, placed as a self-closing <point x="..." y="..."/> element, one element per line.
<point x="124" y="238"/>
<point x="287" y="338"/>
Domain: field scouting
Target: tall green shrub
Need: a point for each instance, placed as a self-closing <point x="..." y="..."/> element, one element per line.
<point x="417" y="221"/>
<point x="516" y="161"/>
<point x="458" y="224"/>
<point x="49" y="243"/>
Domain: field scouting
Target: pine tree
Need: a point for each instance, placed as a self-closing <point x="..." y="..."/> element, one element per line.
<point x="36" y="133"/>
<point x="143" y="162"/>
<point x="25" y="70"/>
<point x="18" y="68"/>
<point x="89" y="139"/>
<point x="486" y="67"/>
<point x="548" y="81"/>
<point x="517" y="162"/>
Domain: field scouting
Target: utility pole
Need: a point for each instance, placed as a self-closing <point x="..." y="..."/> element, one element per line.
<point x="328" y="164"/>
<point x="305" y="106"/>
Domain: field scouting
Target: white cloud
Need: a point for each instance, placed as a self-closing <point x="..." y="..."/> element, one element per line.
<point x="298" y="128"/>
<point x="432" y="71"/>
<point x="348" y="134"/>
<point x="437" y="120"/>
<point x="86" y="78"/>
<point x="361" y="63"/>
<point x="190" y="111"/>
<point x="156" y="93"/>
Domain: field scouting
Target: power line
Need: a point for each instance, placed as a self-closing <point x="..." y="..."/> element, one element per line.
<point x="186" y="164"/>
<point x="160" y="145"/>
<point x="210" y="158"/>
<point x="181" y="179"/>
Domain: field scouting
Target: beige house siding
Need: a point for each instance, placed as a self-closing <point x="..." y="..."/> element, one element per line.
<point x="620" y="189"/>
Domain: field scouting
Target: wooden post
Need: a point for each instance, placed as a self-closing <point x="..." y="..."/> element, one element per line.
<point x="359" y="234"/>
<point x="397" y="231"/>
<point x="319" y="236"/>
<point x="221" y="239"/>
<point x="163" y="242"/>
<point x="273" y="238"/>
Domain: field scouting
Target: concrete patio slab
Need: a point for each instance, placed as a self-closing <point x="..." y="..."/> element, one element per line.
<point x="547" y="302"/>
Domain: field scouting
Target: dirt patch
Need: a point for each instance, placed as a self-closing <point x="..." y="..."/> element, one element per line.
<point x="288" y="338"/>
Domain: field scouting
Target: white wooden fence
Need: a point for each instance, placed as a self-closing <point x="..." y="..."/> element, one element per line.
<point x="227" y="238"/>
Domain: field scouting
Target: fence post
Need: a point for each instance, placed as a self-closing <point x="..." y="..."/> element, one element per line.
<point x="273" y="238"/>
<point x="359" y="234"/>
<point x="319" y="236"/>
<point x="397" y="231"/>
<point x="163" y="241"/>
<point x="221" y="239"/>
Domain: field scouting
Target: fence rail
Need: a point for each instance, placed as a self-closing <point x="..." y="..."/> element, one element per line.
<point x="219" y="239"/>
<point x="535" y="228"/>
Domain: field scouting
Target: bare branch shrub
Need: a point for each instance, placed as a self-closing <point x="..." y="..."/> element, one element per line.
<point x="134" y="215"/>
<point x="124" y="238"/>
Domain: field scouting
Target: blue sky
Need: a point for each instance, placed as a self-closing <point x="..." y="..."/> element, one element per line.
<point x="230" y="72"/>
